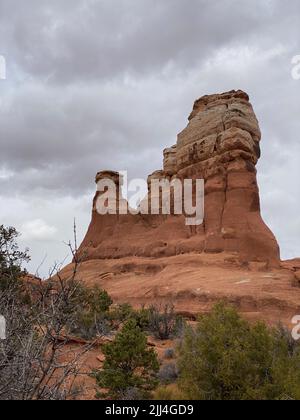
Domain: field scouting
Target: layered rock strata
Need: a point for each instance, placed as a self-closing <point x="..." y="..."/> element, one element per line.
<point x="221" y="144"/>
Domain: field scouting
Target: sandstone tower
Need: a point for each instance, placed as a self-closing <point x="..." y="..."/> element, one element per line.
<point x="221" y="144"/>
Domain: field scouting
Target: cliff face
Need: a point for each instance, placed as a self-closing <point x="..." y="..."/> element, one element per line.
<point x="221" y="146"/>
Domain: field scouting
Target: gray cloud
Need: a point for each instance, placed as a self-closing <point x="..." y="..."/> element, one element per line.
<point x="69" y="40"/>
<point x="95" y="84"/>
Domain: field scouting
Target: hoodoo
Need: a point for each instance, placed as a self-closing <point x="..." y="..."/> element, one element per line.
<point x="221" y="144"/>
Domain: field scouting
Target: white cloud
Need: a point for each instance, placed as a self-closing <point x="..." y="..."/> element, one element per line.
<point x="37" y="230"/>
<point x="5" y="175"/>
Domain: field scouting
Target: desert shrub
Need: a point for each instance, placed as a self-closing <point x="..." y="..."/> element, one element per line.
<point x="161" y="321"/>
<point x="228" y="359"/>
<point x="129" y="364"/>
<point x="164" y="323"/>
<point x="123" y="313"/>
<point x="168" y="373"/>
<point x="169" y="393"/>
<point x="97" y="299"/>
<point x="131" y="394"/>
<point x="34" y="362"/>
<point x="88" y="325"/>
<point x="141" y="317"/>
<point x="169" y="354"/>
<point x="11" y="258"/>
<point x="92" y="314"/>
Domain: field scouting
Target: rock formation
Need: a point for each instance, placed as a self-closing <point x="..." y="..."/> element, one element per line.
<point x="221" y="144"/>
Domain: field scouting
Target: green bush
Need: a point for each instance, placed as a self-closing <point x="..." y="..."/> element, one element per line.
<point x="92" y="316"/>
<point x="228" y="359"/>
<point x="97" y="300"/>
<point x="125" y="312"/>
<point x="11" y="258"/>
<point x="161" y="321"/>
<point x="129" y="364"/>
<point x="122" y="313"/>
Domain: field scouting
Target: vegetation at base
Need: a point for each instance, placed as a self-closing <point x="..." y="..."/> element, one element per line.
<point x="91" y="317"/>
<point x="34" y="362"/>
<point x="164" y="323"/>
<point x="226" y="358"/>
<point x="168" y="373"/>
<point x="168" y="393"/>
<point x="129" y="364"/>
<point x="11" y="258"/>
<point x="223" y="357"/>
<point x="124" y="312"/>
<point x="161" y="321"/>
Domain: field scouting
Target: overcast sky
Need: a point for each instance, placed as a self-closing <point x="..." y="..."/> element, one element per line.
<point x="107" y="84"/>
